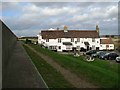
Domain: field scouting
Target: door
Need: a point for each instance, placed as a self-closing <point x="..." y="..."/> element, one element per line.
<point x="88" y="48"/>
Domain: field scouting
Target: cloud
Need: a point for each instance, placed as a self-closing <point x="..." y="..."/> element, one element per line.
<point x="9" y="6"/>
<point x="51" y="10"/>
<point x="31" y="17"/>
<point x="80" y="18"/>
<point x="112" y="11"/>
<point x="61" y="1"/>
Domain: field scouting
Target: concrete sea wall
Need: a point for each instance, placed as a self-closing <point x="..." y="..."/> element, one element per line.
<point x="9" y="40"/>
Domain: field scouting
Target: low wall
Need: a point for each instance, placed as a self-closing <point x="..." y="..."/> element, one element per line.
<point x="0" y="55"/>
<point x="8" y="42"/>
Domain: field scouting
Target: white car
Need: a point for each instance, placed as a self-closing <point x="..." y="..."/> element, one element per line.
<point x="118" y="59"/>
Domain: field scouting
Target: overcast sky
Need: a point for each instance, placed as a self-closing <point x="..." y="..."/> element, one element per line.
<point x="28" y="18"/>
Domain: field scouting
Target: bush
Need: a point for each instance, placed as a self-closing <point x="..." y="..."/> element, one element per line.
<point x="28" y="41"/>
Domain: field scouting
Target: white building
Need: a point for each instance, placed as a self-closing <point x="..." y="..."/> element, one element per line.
<point x="61" y="40"/>
<point x="106" y="44"/>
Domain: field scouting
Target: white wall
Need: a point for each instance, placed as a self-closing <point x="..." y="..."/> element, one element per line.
<point x="54" y="42"/>
<point x="111" y="46"/>
<point x="103" y="46"/>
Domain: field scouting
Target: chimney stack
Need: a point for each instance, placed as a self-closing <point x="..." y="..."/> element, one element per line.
<point x="57" y="28"/>
<point x="65" y="28"/>
<point x="97" y="28"/>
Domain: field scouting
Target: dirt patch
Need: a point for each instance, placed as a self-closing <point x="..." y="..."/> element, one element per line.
<point x="76" y="81"/>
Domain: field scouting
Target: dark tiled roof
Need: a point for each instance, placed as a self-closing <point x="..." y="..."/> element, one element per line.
<point x="106" y="41"/>
<point x="52" y="34"/>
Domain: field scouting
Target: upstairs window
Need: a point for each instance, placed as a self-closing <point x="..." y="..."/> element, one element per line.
<point x="75" y="42"/>
<point x="72" y="39"/>
<point x="93" y="39"/>
<point x="78" y="39"/>
<point x="59" y="40"/>
<point x="47" y="40"/>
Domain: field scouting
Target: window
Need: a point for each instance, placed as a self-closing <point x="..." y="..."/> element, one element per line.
<point x="59" y="47"/>
<point x="90" y="48"/>
<point x="93" y="39"/>
<point x="97" y="48"/>
<point x="78" y="47"/>
<point x="107" y="46"/>
<point x="78" y="39"/>
<point x="75" y="42"/>
<point x="55" y="47"/>
<point x="59" y="40"/>
<point x="43" y="42"/>
<point x="52" y="47"/>
<point x="72" y="39"/>
<point x="93" y="47"/>
<point x="47" y="40"/>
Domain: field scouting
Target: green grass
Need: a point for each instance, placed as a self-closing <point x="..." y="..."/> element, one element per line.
<point x="99" y="72"/>
<point x="52" y="77"/>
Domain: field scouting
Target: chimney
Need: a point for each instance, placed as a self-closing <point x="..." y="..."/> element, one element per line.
<point x="65" y="28"/>
<point x="57" y="28"/>
<point x="97" y="28"/>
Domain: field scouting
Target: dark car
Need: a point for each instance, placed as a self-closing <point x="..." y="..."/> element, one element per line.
<point x="110" y="56"/>
<point x="98" y="54"/>
<point x="91" y="52"/>
<point x="101" y="56"/>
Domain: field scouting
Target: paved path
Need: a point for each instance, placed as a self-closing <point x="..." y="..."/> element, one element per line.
<point x="76" y="81"/>
<point x="20" y="72"/>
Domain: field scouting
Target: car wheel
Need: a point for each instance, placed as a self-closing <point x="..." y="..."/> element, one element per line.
<point x="109" y="58"/>
<point x="105" y="58"/>
<point x="93" y="58"/>
<point x="117" y="61"/>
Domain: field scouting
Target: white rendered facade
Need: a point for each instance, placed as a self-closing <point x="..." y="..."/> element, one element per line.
<point x="77" y="43"/>
<point x="61" y="40"/>
<point x="106" y="46"/>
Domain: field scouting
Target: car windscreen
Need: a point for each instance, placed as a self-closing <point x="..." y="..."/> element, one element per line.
<point x="102" y="53"/>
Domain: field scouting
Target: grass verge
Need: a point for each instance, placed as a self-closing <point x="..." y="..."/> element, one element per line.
<point x="52" y="77"/>
<point x="99" y="72"/>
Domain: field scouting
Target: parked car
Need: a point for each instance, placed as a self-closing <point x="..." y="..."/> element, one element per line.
<point x="118" y="59"/>
<point x="98" y="54"/>
<point x="110" y="56"/>
<point x="102" y="55"/>
<point x="91" y="52"/>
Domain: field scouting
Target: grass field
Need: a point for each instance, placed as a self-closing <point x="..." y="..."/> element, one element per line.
<point x="99" y="72"/>
<point x="51" y="76"/>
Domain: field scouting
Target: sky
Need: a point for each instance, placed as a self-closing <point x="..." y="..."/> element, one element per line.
<point x="29" y="18"/>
